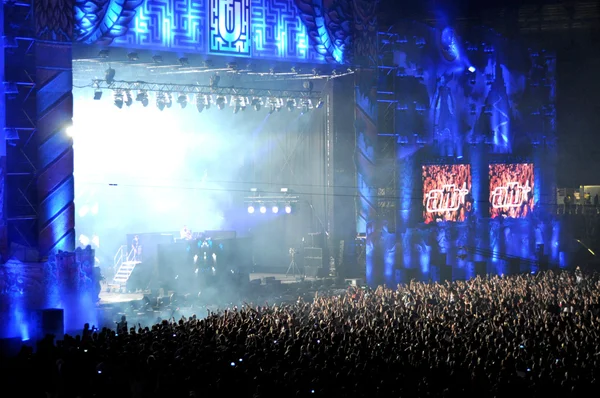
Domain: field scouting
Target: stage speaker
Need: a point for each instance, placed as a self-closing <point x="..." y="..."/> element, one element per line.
<point x="312" y="271"/>
<point x="480" y="268"/>
<point x="445" y="273"/>
<point x="52" y="322"/>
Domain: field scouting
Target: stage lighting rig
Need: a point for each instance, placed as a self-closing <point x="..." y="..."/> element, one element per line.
<point x="118" y="99"/>
<point x="160" y="101"/>
<point x="221" y="102"/>
<point x="182" y="100"/>
<point x="168" y="100"/>
<point x="261" y="201"/>
<point x="290" y="105"/>
<point x="128" y="98"/>
<point x="200" y="103"/>
<point x="256" y="103"/>
<point x="97" y="94"/>
<point x="142" y="96"/>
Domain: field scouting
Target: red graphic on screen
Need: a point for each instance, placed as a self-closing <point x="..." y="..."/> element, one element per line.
<point x="446" y="192"/>
<point x="511" y="190"/>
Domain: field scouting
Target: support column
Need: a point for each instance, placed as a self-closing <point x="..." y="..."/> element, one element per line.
<point x="3" y="242"/>
<point x="54" y="82"/>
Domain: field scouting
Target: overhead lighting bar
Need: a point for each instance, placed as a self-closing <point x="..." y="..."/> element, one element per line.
<point x="205" y="90"/>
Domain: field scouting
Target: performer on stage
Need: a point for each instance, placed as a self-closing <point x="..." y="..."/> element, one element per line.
<point x="136" y="249"/>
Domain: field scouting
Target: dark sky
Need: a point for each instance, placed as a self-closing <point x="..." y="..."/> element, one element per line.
<point x="571" y="29"/>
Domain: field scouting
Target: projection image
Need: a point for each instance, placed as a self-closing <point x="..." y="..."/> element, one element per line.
<point x="446" y="193"/>
<point x="511" y="190"/>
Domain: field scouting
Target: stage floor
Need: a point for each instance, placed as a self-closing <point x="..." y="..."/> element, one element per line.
<point x="108" y="298"/>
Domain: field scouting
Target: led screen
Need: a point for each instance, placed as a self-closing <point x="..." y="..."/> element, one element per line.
<point x="511" y="190"/>
<point x="446" y="192"/>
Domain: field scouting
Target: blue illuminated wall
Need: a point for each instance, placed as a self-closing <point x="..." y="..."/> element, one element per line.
<point x="471" y="97"/>
<point x="270" y="29"/>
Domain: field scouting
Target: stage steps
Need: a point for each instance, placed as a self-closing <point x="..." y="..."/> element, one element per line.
<point x="124" y="272"/>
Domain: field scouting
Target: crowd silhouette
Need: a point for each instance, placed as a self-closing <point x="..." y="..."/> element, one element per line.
<point x="527" y="335"/>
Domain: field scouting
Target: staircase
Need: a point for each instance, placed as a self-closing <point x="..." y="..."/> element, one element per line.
<point x="124" y="263"/>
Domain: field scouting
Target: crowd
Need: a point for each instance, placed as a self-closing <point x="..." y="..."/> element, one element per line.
<point x="528" y="335"/>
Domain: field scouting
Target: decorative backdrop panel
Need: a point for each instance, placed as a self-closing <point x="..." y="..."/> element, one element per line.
<point x="269" y="29"/>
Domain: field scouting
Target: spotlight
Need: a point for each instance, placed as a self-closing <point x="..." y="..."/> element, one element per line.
<point x="290" y="104"/>
<point x="168" y="100"/>
<point x="199" y="103"/>
<point x="103" y="54"/>
<point x="288" y="209"/>
<point x="221" y="102"/>
<point x="183" y="61"/>
<point x="128" y="98"/>
<point x="142" y="97"/>
<point x="308" y="85"/>
<point x="109" y="75"/>
<point x="133" y="57"/>
<point x="97" y="94"/>
<point x="182" y="100"/>
<point x="471" y="69"/>
<point x="320" y="104"/>
<point x="256" y="103"/>
<point x="160" y="101"/>
<point x="157" y="59"/>
<point x="237" y="106"/>
<point x="119" y="100"/>
<point x="275" y="209"/>
<point x="263" y="209"/>
<point x="207" y="101"/>
<point x="251" y="209"/>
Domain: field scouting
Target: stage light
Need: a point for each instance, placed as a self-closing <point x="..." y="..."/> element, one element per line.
<point x="119" y="100"/>
<point x="109" y="75"/>
<point x="182" y="100"/>
<point x="275" y="209"/>
<point x="320" y="104"/>
<point x="471" y="69"/>
<point x="256" y="103"/>
<point x="199" y="103"/>
<point x="237" y="105"/>
<point x="157" y="59"/>
<point x="142" y="96"/>
<point x="221" y="102"/>
<point x="183" y="61"/>
<point x="305" y="106"/>
<point x="128" y="98"/>
<point x="69" y="131"/>
<point x="263" y="209"/>
<point x="97" y="94"/>
<point x="308" y="85"/>
<point x="251" y="209"/>
<point x="290" y="105"/>
<point x="103" y="54"/>
<point x="288" y="209"/>
<point x="133" y="57"/>
<point x="160" y="101"/>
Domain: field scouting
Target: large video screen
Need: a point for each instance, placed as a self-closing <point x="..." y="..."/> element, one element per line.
<point x="511" y="190"/>
<point x="446" y="193"/>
